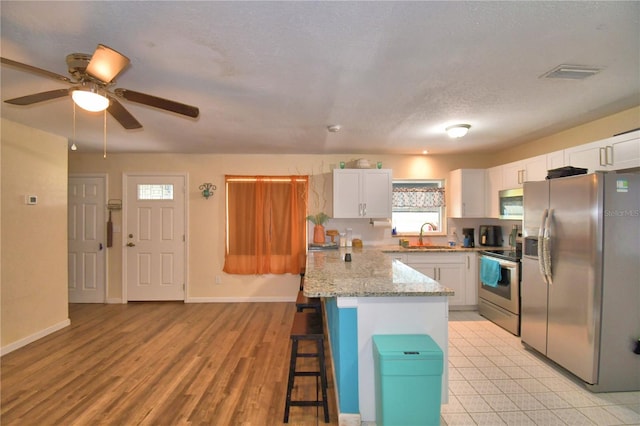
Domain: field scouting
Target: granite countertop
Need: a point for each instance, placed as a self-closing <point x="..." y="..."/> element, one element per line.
<point x="370" y="273"/>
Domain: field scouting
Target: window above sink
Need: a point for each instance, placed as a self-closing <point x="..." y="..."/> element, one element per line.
<point x="416" y="203"/>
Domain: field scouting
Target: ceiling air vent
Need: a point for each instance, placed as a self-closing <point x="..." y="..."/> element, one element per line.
<point x="572" y="72"/>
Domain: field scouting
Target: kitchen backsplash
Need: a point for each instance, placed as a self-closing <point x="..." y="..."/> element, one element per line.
<point x="371" y="235"/>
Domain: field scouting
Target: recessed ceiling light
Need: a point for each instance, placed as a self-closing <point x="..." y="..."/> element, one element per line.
<point x="571" y="72"/>
<point x="334" y="128"/>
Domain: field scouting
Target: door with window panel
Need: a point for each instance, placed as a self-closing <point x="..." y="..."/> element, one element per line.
<point x="154" y="237"/>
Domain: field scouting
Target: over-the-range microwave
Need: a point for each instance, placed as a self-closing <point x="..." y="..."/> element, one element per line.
<point x="511" y="206"/>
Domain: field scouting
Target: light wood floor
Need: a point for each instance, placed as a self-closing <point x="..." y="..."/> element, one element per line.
<point x="160" y="364"/>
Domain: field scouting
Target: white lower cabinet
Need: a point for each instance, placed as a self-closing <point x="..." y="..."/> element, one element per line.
<point x="457" y="271"/>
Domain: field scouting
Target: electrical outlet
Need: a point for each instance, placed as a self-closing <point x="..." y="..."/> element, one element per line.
<point x="218" y="279"/>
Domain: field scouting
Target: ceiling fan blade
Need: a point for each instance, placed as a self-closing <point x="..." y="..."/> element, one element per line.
<point x="35" y="70"/>
<point x="157" y="102"/>
<point x="38" y="97"/>
<point x="122" y="116"/>
<point x="106" y="63"/>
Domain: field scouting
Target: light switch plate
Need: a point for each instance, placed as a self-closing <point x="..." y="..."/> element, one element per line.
<point x="31" y="199"/>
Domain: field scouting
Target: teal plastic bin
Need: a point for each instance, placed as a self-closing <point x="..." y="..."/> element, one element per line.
<point x="408" y="380"/>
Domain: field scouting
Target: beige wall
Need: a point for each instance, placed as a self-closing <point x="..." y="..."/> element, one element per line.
<point x="206" y="217"/>
<point x="34" y="237"/>
<point x="589" y="132"/>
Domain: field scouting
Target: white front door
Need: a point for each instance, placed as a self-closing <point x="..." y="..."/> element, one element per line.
<point x="87" y="241"/>
<point x="154" y="237"/>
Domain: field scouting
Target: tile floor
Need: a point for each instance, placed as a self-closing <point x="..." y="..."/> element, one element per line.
<point x="494" y="381"/>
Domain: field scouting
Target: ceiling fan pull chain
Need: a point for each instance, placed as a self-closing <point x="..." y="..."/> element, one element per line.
<point x="105" y="134"/>
<point x="74" y="122"/>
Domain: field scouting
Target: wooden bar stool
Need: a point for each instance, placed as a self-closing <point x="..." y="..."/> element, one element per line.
<point x="303" y="302"/>
<point x="307" y="326"/>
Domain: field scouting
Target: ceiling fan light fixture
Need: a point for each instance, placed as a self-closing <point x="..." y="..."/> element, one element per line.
<point x="89" y="99"/>
<point x="458" y="130"/>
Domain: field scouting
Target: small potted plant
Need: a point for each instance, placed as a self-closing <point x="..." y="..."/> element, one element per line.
<point x="318" y="220"/>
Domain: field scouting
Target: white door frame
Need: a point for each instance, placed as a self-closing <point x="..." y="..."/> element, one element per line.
<point x="105" y="181"/>
<point x="125" y="178"/>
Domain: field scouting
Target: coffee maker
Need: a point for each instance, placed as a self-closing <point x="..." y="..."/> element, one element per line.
<point x="490" y="235"/>
<point x="467" y="237"/>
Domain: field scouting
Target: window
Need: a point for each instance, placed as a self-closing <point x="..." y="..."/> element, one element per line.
<point x="155" y="192"/>
<point x="418" y="202"/>
<point x="266" y="224"/>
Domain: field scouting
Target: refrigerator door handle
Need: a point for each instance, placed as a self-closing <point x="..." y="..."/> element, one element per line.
<point x="547" y="248"/>
<point x="541" y="265"/>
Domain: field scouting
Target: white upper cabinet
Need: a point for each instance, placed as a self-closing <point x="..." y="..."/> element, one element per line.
<point x="516" y="173"/>
<point x="466" y="193"/>
<point x="616" y="153"/>
<point x="493" y="188"/>
<point x="362" y="193"/>
<point x="555" y="160"/>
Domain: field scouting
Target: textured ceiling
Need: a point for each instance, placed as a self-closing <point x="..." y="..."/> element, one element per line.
<point x="269" y="77"/>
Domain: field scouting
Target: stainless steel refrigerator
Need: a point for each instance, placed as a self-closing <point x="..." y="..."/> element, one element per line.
<point x="580" y="290"/>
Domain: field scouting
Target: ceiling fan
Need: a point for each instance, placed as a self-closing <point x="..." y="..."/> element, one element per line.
<point x="92" y="77"/>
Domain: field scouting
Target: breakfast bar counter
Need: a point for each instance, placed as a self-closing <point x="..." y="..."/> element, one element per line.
<point x="369" y="274"/>
<point x="372" y="294"/>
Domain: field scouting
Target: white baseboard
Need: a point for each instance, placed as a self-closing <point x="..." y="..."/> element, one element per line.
<point x="225" y="299"/>
<point x="345" y="419"/>
<point x="35" y="336"/>
<point x="240" y="299"/>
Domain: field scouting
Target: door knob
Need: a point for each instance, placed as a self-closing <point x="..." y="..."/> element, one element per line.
<point x="130" y="245"/>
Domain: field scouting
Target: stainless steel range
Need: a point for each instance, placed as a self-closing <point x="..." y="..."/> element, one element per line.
<point x="500" y="302"/>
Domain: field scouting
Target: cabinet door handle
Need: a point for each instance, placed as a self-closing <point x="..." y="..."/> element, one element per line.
<point x="364" y="209"/>
<point x="468" y="262"/>
<point x="603" y="156"/>
<point x="464" y="208"/>
<point x="609" y="158"/>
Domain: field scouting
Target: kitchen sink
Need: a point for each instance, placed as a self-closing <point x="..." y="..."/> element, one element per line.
<point x="419" y="247"/>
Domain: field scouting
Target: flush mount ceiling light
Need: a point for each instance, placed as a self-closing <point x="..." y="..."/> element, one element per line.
<point x="571" y="72"/>
<point x="334" y="128"/>
<point x="458" y="130"/>
<point x="89" y="98"/>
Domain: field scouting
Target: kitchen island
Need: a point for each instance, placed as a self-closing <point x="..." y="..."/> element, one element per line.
<point x="372" y="294"/>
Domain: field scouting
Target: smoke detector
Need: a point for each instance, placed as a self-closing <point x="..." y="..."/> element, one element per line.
<point x="571" y="72"/>
<point x="334" y="128"/>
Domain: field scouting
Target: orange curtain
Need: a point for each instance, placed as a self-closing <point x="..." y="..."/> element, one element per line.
<point x="266" y="224"/>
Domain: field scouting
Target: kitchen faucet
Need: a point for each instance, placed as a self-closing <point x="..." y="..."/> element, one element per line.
<point x="433" y="228"/>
